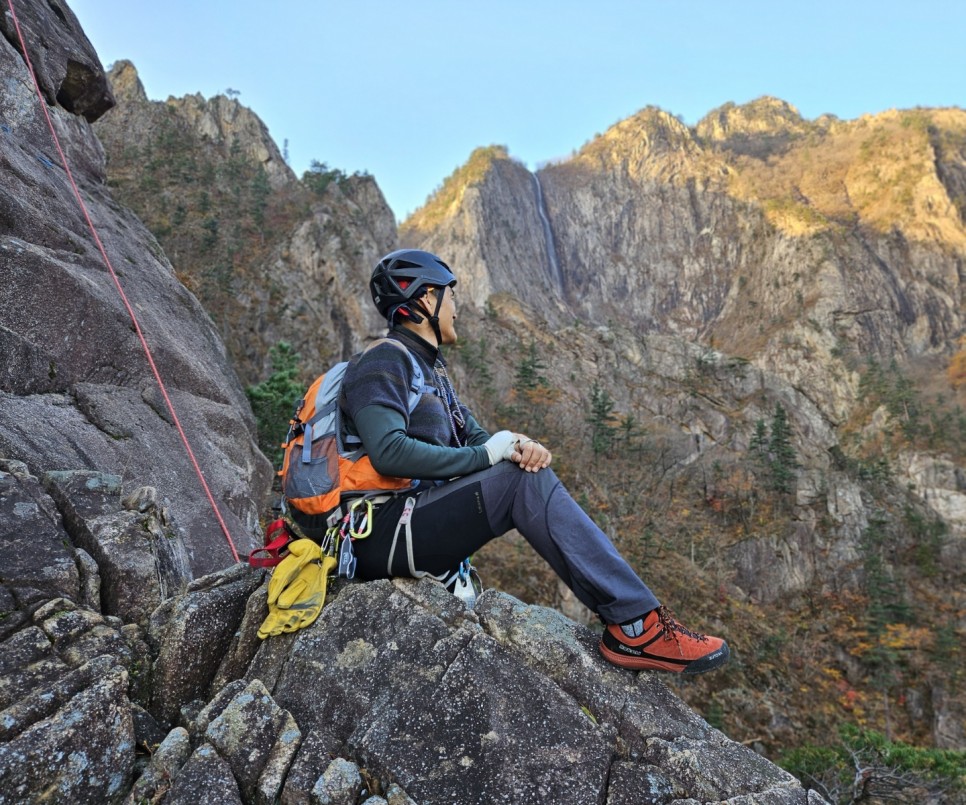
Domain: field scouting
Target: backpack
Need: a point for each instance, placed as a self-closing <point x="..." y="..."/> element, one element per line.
<point x="321" y="462"/>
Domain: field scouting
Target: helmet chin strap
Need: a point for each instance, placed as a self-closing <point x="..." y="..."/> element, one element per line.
<point x="434" y="319"/>
<point x="415" y="318"/>
<point x="412" y="317"/>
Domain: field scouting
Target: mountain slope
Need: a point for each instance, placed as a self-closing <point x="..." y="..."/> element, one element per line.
<point x="704" y="279"/>
<point x="269" y="256"/>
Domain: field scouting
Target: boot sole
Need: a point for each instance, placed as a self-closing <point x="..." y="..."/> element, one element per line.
<point x="700" y="665"/>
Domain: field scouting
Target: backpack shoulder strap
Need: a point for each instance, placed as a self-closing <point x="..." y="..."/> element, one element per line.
<point x="418" y="385"/>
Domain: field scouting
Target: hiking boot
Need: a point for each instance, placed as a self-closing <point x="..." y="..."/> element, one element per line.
<point x="657" y="642"/>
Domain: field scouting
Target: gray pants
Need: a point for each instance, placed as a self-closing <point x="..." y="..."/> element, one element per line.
<point x="452" y="521"/>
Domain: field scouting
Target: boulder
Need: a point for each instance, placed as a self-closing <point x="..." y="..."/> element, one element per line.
<point x="258" y="739"/>
<point x="141" y="560"/>
<point x="38" y="560"/>
<point x="206" y="777"/>
<point x="340" y="784"/>
<point x="207" y="615"/>
<point x="163" y="768"/>
<point x="82" y="751"/>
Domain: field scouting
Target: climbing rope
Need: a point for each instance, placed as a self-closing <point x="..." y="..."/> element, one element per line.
<point x="120" y="290"/>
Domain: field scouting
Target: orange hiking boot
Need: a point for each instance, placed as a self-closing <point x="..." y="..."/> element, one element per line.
<point x="657" y="642"/>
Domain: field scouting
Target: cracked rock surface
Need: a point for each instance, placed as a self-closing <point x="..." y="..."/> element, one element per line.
<point x="397" y="694"/>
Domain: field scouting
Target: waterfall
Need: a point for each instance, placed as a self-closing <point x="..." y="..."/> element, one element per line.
<point x="547" y="232"/>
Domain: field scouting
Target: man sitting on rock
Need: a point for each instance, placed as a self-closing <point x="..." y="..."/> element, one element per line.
<point x="471" y="486"/>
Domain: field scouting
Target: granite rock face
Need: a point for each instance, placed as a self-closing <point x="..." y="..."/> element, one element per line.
<point x="67" y="68"/>
<point x="725" y="235"/>
<point x="398" y="693"/>
<point x="76" y="391"/>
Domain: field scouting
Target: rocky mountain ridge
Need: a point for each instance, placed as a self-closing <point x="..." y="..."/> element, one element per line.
<point x="222" y="120"/>
<point x="130" y="673"/>
<point x="271" y="258"/>
<point x="699" y="278"/>
<point x="701" y="221"/>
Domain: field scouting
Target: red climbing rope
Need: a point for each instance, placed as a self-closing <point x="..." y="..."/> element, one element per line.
<point x="120" y="290"/>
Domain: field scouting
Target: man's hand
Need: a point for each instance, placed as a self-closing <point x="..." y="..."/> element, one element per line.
<point x="530" y="454"/>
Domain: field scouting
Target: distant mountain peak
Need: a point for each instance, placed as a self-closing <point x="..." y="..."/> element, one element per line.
<point x="762" y="115"/>
<point x="758" y="127"/>
<point x="650" y="144"/>
<point x="126" y="83"/>
<point x="449" y="194"/>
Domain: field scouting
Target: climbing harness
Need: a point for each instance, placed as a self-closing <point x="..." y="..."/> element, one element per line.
<point x="464" y="581"/>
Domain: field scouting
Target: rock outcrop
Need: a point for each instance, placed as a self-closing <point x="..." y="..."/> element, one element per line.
<point x="270" y="258"/>
<point x="397" y="691"/>
<point x="68" y="70"/>
<point x="319" y="301"/>
<point x="221" y="121"/>
<point x="76" y="390"/>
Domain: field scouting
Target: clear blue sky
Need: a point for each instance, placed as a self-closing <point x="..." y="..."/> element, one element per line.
<point x="406" y="90"/>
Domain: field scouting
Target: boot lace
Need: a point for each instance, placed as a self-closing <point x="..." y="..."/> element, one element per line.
<point x="671" y="627"/>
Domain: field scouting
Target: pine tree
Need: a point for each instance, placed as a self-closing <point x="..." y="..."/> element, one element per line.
<point x="529" y="375"/>
<point x="759" y="441"/>
<point x="783" y="462"/>
<point x="273" y="400"/>
<point x="532" y="394"/>
<point x="601" y="422"/>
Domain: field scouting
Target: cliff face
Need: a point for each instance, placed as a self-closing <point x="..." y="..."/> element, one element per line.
<point x="76" y="391"/>
<point x="271" y="258"/>
<point x="774" y="239"/>
<point x="701" y="279"/>
<point x="807" y="249"/>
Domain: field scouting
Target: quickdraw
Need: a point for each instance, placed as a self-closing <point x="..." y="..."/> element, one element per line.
<point x="466" y="583"/>
<point x="355" y="524"/>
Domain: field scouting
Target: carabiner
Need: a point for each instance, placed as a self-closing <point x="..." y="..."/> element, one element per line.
<point x="365" y="527"/>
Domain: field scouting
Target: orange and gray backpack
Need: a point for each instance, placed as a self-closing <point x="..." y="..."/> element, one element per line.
<point x="326" y="471"/>
<point x="322" y="464"/>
